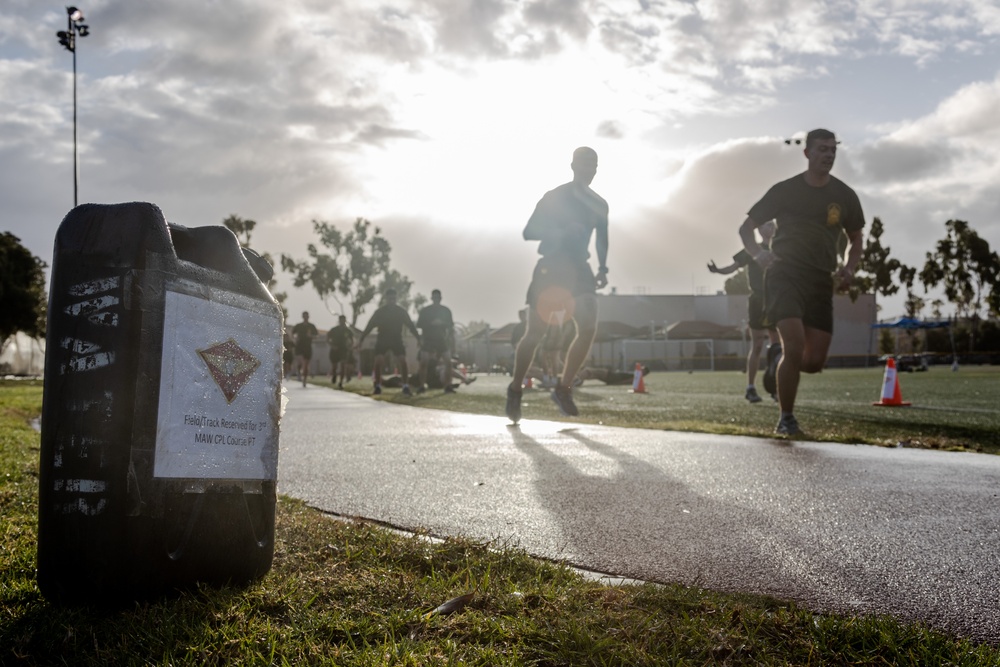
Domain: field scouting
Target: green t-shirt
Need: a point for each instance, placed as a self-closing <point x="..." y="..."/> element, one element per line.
<point x="304" y="332"/>
<point x="564" y="220"/>
<point x="435" y="323"/>
<point x="390" y="320"/>
<point x="340" y="337"/>
<point x="810" y="220"/>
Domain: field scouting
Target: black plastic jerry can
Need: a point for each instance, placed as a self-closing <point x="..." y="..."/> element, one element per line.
<point x="162" y="402"/>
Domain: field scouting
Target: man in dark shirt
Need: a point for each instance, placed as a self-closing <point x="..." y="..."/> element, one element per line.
<point x="341" y="340"/>
<point x="760" y="329"/>
<point x="304" y="332"/>
<point x="390" y="320"/>
<point x="437" y="340"/>
<point x="812" y="211"/>
<point x="563" y="285"/>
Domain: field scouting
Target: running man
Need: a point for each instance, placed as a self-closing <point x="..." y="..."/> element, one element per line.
<point x="341" y="340"/>
<point x="811" y="210"/>
<point x="437" y="340"/>
<point x="563" y="286"/>
<point x="760" y="329"/>
<point x="390" y="320"/>
<point x="304" y="332"/>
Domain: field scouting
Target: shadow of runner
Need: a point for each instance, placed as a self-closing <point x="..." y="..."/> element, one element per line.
<point x="725" y="530"/>
<point x="613" y="508"/>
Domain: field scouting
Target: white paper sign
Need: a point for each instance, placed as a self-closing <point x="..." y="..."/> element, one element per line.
<point x="218" y="411"/>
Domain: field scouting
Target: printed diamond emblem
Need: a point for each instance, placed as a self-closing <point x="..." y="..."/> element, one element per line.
<point x="230" y="365"/>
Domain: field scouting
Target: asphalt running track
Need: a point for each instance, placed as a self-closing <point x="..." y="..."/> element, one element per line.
<point x="851" y="529"/>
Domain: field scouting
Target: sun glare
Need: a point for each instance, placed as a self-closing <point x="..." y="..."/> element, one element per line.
<point x="495" y="139"/>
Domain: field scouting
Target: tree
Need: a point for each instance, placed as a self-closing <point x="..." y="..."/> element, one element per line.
<point x="913" y="305"/>
<point x="964" y="264"/>
<point x="243" y="228"/>
<point x="969" y="271"/>
<point x="22" y="290"/>
<point x="738" y="283"/>
<point x="417" y="303"/>
<point x="876" y="270"/>
<point x="354" y="268"/>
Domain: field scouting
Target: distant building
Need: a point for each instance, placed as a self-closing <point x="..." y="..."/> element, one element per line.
<point x="687" y="332"/>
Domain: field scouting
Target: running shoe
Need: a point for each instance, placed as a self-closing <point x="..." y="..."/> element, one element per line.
<point x="771" y="372"/>
<point x="513" y="404"/>
<point x="378" y="389"/>
<point x="406" y="390"/>
<point x="450" y="389"/>
<point x="563" y="398"/>
<point x="753" y="396"/>
<point x="788" y="426"/>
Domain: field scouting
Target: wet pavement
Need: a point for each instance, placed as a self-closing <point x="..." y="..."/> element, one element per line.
<point x="844" y="528"/>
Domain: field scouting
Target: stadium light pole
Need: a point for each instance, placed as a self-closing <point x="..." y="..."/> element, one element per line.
<point x="74" y="26"/>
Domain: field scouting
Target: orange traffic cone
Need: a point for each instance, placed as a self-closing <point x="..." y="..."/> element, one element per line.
<point x="638" y="385"/>
<point x="891" y="396"/>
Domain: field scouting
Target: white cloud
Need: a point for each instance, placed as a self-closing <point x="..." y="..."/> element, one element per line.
<point x="445" y="120"/>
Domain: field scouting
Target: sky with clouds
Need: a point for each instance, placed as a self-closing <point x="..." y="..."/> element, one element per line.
<point x="444" y="121"/>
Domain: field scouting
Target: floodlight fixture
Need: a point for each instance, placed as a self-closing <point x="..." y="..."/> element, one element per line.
<point x="67" y="38"/>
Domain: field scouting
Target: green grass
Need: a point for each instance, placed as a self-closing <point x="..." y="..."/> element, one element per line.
<point x="954" y="411"/>
<point x="348" y="593"/>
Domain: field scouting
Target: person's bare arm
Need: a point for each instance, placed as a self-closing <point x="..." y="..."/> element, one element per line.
<point x="601" y="244"/>
<point x="361" y="338"/>
<point x="845" y="274"/>
<point x="764" y="258"/>
<point x="412" y="327"/>
<point x="725" y="270"/>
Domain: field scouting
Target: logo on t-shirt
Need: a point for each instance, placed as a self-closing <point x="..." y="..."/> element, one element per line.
<point x="833" y="214"/>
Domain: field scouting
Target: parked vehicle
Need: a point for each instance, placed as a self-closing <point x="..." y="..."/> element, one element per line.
<point x="909" y="362"/>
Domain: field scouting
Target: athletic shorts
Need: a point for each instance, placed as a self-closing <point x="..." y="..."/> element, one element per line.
<point x="558" y="278"/>
<point x="757" y="313"/>
<point x="436" y="346"/>
<point x="304" y="350"/>
<point x="339" y="354"/>
<point x="392" y="344"/>
<point x="800" y="294"/>
<point x="428" y="356"/>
